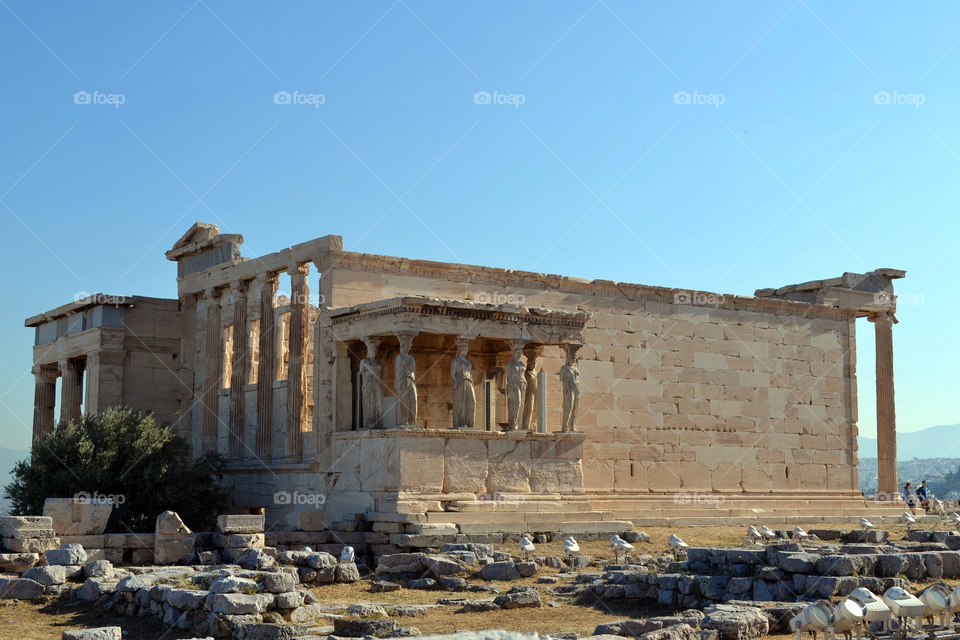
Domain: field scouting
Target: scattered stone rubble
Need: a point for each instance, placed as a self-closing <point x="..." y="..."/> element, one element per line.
<point x="260" y="593"/>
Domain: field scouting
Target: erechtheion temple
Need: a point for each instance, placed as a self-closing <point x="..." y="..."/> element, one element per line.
<point x="496" y="400"/>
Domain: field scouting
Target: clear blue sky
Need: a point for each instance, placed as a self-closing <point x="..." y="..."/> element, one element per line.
<point x="599" y="173"/>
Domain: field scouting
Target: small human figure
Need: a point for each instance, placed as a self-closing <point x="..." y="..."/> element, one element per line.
<point x="908" y="497"/>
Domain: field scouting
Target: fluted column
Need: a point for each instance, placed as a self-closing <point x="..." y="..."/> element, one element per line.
<point x="44" y="400"/>
<point x="71" y="389"/>
<point x="213" y="372"/>
<point x="266" y="369"/>
<point x="241" y="369"/>
<point x="296" y="378"/>
<point x="886" y="410"/>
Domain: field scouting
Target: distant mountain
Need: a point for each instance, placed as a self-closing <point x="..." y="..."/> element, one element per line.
<point x="8" y="458"/>
<point x="934" y="442"/>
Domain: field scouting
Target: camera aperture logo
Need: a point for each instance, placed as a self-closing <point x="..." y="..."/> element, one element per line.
<point x="497" y="298"/>
<point x="282" y="97"/>
<point x="297" y="498"/>
<point x="116" y="99"/>
<point x="916" y="99"/>
<point x="716" y="99"/>
<point x="516" y="99"/>
<point x="708" y="499"/>
<point x="99" y="498"/>
<point x="698" y="298"/>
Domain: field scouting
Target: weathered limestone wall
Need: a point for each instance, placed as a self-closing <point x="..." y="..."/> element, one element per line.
<point x="149" y="369"/>
<point x="740" y="397"/>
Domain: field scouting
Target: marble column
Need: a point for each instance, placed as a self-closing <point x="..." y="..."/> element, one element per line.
<point x="886" y="411"/>
<point x="267" y="366"/>
<point x="71" y="389"/>
<point x="296" y="374"/>
<point x="241" y="368"/>
<point x="213" y="371"/>
<point x="44" y="400"/>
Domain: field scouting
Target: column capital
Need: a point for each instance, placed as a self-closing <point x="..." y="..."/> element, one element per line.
<point x="299" y="269"/>
<point x="213" y="293"/>
<point x="373" y="345"/>
<point x="68" y="364"/>
<point x="571" y="348"/>
<point x="239" y="288"/>
<point x="887" y="318"/>
<point x="267" y="277"/>
<point x="45" y="371"/>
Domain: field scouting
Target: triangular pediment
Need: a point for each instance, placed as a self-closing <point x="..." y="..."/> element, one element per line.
<point x="199" y="232"/>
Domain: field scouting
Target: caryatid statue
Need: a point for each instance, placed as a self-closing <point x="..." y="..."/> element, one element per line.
<point x="570" y="379"/>
<point x="530" y="396"/>
<point x="464" y="396"/>
<point x="371" y="394"/>
<point x="516" y="385"/>
<point x="405" y="382"/>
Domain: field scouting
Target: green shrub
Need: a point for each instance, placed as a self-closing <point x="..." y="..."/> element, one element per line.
<point x="123" y="453"/>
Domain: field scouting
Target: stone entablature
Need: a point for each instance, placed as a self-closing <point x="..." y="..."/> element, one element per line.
<point x="465" y="319"/>
<point x="519" y="281"/>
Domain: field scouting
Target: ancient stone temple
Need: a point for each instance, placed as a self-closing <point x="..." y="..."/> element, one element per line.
<point x="435" y="394"/>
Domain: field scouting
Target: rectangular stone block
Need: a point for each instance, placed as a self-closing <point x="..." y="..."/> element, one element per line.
<point x="87" y="542"/>
<point x="78" y="517"/>
<point x="240" y="524"/>
<point x="129" y="540"/>
<point x="246" y="540"/>
<point x="26" y="534"/>
<point x="307" y="520"/>
<point x="433" y="528"/>
<point x="114" y="556"/>
<point x="31" y="545"/>
<point x="10" y="525"/>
